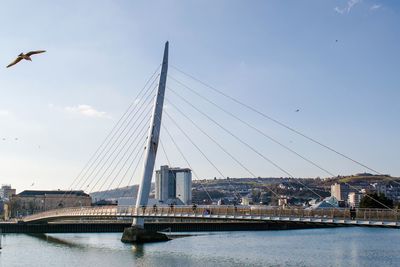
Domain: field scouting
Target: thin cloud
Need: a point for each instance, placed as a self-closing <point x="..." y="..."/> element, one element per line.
<point x="348" y="7"/>
<point x="375" y="7"/>
<point x="4" y="113"/>
<point x="87" y="111"/>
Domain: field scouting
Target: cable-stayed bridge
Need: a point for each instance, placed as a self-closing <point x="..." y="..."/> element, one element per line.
<point x="136" y="137"/>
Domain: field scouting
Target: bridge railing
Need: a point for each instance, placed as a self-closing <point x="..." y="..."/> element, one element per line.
<point x="89" y="211"/>
<point x="254" y="211"/>
<point x="225" y="211"/>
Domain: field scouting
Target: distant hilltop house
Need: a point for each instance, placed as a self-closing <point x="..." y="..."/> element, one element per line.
<point x="31" y="201"/>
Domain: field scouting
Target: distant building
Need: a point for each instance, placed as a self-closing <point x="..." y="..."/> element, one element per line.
<point x="31" y="201"/>
<point x="184" y="185"/>
<point x="326" y="203"/>
<point x="380" y="188"/>
<point x="389" y="190"/>
<point x="6" y="192"/>
<point x="173" y="183"/>
<point x="247" y="200"/>
<point x="282" y="201"/>
<point x="354" y="199"/>
<point x="165" y="185"/>
<point x="340" y="191"/>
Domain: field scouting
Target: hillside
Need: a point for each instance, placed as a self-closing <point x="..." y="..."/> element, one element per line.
<point x="362" y="178"/>
<point x="129" y="191"/>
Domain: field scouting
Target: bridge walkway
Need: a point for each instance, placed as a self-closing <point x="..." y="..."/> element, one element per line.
<point x="363" y="217"/>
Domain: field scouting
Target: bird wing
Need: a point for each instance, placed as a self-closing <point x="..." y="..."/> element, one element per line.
<point x="18" y="59"/>
<point x="35" y="52"/>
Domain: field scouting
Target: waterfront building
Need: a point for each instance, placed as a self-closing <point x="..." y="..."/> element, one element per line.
<point x="165" y="186"/>
<point x="6" y="192"/>
<point x="31" y="201"/>
<point x="173" y="183"/>
<point x="184" y="185"/>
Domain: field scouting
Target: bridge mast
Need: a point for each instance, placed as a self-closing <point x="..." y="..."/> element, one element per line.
<point x="152" y="141"/>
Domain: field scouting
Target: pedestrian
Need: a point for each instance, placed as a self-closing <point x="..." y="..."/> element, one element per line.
<point x="143" y="209"/>
<point x="353" y="213"/>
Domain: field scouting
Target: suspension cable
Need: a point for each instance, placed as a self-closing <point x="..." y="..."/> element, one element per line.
<point x="219" y="145"/>
<point x="243" y="142"/>
<point x="201" y="152"/>
<point x="253" y="127"/>
<point x="279" y="123"/>
<point x="112" y="133"/>
<point x="275" y="120"/>
<point x="136" y="166"/>
<point x="143" y="131"/>
<point x="117" y="140"/>
<point x="114" y="128"/>
<point x="165" y="153"/>
<point x="137" y="149"/>
<point x="121" y="148"/>
<point x="187" y="162"/>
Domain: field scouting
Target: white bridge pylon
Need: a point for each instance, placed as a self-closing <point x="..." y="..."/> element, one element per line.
<point x="153" y="137"/>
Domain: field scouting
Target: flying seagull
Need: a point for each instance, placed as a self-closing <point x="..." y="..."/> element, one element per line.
<point x="26" y="56"/>
<point x="297" y="110"/>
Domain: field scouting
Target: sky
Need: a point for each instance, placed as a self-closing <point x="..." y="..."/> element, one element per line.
<point x="336" y="61"/>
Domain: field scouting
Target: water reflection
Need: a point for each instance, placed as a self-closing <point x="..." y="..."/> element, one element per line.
<point x="138" y="251"/>
<point x="313" y="247"/>
<point x="55" y="240"/>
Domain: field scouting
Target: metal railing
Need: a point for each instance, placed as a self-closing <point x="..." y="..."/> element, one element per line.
<point x="219" y="212"/>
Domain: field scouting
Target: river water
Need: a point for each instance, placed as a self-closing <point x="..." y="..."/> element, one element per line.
<point x="350" y="246"/>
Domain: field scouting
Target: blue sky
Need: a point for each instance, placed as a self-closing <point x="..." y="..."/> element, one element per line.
<point x="278" y="56"/>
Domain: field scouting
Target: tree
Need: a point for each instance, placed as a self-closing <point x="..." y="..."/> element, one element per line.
<point x="376" y="201"/>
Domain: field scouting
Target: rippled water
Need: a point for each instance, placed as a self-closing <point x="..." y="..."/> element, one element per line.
<point x="312" y="247"/>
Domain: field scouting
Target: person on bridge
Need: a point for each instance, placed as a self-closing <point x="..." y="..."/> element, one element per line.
<point x="143" y="209"/>
<point x="154" y="208"/>
<point x="353" y="213"/>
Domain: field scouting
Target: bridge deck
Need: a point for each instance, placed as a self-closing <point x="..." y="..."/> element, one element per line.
<point x="364" y="217"/>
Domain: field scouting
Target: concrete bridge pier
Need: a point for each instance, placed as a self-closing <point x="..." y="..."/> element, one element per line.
<point x="135" y="234"/>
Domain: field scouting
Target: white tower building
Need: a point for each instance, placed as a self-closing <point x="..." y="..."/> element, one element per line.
<point x="174" y="183"/>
